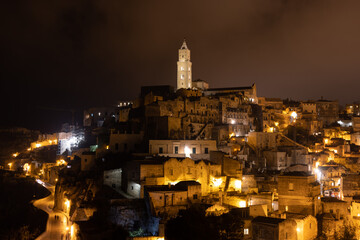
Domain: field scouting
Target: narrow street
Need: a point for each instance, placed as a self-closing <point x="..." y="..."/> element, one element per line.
<point x="56" y="229"/>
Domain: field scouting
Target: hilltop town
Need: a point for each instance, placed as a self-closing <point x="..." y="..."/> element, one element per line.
<point x="195" y="162"/>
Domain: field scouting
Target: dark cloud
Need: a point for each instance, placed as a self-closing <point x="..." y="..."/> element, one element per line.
<point x="75" y="54"/>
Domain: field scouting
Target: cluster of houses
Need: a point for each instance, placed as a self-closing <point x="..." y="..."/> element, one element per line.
<point x="291" y="167"/>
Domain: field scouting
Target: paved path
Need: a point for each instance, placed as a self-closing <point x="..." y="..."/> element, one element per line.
<point x="55" y="228"/>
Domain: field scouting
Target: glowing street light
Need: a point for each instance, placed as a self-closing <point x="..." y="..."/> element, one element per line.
<point x="217" y="182"/>
<point x="242" y="203"/>
<point x="238" y="184"/>
<point x="187" y="151"/>
<point x="26" y="167"/>
<point x="67" y="204"/>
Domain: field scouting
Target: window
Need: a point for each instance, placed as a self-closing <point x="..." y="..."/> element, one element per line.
<point x="160" y="197"/>
<point x="116" y="146"/>
<point x="171" y="171"/>
<point x="161" y="150"/>
<point x="195" y="196"/>
<point x="189" y="170"/>
<point x="85" y="160"/>
<point x="176" y="149"/>
<point x="113" y="185"/>
<point x="206" y="150"/>
<point x="132" y="187"/>
<point x="291" y="187"/>
<point x="246" y="231"/>
<point x="194" y="150"/>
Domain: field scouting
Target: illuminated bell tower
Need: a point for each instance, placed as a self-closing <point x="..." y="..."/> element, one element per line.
<point x="184" y="76"/>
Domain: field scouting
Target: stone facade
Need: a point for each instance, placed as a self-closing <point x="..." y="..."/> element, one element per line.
<point x="299" y="193"/>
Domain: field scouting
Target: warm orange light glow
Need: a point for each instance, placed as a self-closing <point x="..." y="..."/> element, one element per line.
<point x="29" y="149"/>
<point x="217" y="182"/>
<point x="276" y="124"/>
<point x="60" y="162"/>
<point x="67" y="204"/>
<point x="26" y="167"/>
<point x="242" y="203"/>
<point x="238" y="184"/>
<point x="15" y="154"/>
<point x="72" y="231"/>
<point x="107" y="147"/>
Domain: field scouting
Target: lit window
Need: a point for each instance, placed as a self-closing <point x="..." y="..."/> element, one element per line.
<point x="246" y="231"/>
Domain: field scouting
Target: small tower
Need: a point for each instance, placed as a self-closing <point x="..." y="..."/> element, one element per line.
<point x="184" y="76"/>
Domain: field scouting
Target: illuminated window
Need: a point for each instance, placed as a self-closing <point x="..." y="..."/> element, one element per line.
<point x="246" y="231"/>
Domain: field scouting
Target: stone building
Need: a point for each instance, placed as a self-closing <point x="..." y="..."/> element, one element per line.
<point x="327" y="111"/>
<point x="164" y="171"/>
<point x="329" y="176"/>
<point x="184" y="73"/>
<point x="166" y="200"/>
<point x="350" y="185"/>
<point x="196" y="149"/>
<point x="267" y="228"/>
<point x="299" y="193"/>
<point x="125" y="141"/>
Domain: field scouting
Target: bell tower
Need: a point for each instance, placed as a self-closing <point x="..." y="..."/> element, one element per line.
<point x="184" y="76"/>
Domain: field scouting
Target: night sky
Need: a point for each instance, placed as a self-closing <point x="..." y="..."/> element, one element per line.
<point x="73" y="54"/>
